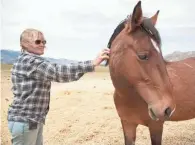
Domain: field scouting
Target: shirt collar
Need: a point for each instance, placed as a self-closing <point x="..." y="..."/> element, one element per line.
<point x="32" y="54"/>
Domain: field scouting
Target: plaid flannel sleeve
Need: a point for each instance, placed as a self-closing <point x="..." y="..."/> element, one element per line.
<point x="44" y="70"/>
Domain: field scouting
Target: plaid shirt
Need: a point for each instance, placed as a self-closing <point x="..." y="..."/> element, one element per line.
<point x="31" y="78"/>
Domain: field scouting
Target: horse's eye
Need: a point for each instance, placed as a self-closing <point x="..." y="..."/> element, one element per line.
<point x="143" y="56"/>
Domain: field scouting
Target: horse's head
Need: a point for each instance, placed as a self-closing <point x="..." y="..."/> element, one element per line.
<point x="136" y="58"/>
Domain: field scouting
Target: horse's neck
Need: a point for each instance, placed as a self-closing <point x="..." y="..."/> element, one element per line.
<point x="181" y="75"/>
<point x="182" y="72"/>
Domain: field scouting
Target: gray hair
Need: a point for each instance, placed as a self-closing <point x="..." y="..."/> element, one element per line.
<point x="27" y="36"/>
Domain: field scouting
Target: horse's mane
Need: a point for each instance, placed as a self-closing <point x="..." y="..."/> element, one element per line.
<point x="117" y="30"/>
<point x="146" y="26"/>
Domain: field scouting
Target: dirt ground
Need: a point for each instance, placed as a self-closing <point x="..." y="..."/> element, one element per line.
<point x="83" y="113"/>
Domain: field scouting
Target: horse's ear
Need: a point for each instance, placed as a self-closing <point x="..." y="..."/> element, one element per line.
<point x="136" y="16"/>
<point x="154" y="18"/>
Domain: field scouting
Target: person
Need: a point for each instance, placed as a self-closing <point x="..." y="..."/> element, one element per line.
<point x="31" y="78"/>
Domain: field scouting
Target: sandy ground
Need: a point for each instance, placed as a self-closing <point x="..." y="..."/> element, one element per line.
<point x="83" y="113"/>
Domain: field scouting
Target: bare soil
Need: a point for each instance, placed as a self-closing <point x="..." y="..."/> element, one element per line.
<point x="83" y="113"/>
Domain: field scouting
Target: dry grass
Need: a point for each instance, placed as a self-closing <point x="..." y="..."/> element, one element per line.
<point x="102" y="69"/>
<point x="83" y="113"/>
<point x="5" y="67"/>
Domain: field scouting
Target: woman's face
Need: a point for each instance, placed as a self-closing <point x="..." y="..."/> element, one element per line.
<point x="34" y="42"/>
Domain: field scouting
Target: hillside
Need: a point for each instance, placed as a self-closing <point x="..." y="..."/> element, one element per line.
<point x="177" y="55"/>
<point x="9" y="56"/>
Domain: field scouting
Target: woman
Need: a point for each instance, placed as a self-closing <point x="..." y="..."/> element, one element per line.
<point x="31" y="78"/>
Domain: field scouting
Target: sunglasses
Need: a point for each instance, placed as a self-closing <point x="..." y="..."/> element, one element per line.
<point x="37" y="42"/>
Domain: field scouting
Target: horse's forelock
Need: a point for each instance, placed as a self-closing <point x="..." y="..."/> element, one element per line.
<point x="149" y="28"/>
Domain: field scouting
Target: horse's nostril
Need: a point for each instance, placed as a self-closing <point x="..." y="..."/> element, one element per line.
<point x="168" y="112"/>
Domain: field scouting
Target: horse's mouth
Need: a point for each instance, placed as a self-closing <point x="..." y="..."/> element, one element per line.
<point x="152" y="115"/>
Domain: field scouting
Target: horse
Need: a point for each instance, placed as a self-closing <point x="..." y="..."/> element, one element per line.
<point x="148" y="90"/>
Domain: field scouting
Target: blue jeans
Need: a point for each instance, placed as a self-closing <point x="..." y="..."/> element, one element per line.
<point x="21" y="135"/>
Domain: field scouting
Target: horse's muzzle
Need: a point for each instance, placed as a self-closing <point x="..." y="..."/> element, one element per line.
<point x="165" y="115"/>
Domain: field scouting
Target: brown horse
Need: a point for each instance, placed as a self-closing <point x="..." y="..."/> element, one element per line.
<point x="148" y="89"/>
